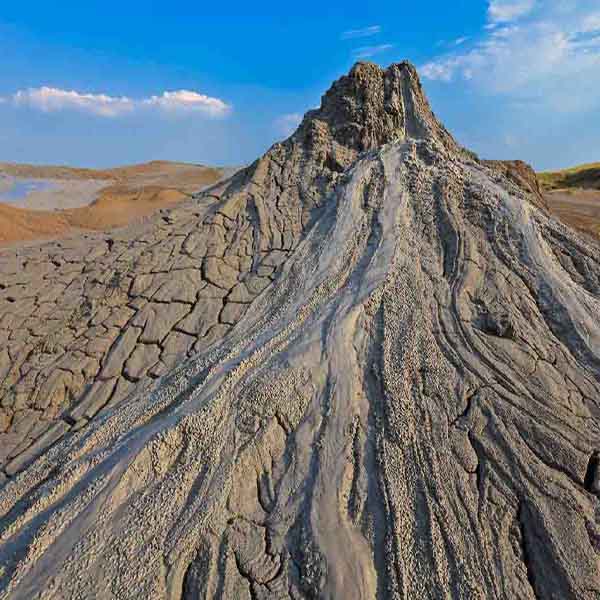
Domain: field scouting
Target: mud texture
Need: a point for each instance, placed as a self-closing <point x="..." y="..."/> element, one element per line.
<point x="391" y="385"/>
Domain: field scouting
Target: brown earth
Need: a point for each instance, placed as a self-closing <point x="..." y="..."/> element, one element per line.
<point x="18" y="224"/>
<point x="573" y="195"/>
<point x="132" y="192"/>
<point x="578" y="208"/>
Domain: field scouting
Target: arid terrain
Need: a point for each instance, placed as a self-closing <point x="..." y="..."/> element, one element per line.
<point x="574" y="196"/>
<point x="365" y="366"/>
<point x="44" y="202"/>
<point x="580" y="208"/>
<point x="585" y="177"/>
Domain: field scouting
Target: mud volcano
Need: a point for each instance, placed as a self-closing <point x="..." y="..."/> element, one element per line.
<point x="368" y="366"/>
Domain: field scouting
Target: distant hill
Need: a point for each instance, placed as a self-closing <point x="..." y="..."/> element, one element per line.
<point x="582" y="177"/>
<point x="155" y="171"/>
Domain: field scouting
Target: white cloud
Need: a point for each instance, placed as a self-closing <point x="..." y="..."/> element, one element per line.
<point x="287" y="124"/>
<point x="591" y="23"/>
<point x="367" y="51"/>
<point x="548" y="56"/>
<point x="503" y="11"/>
<point x="441" y="69"/>
<point x="361" y="33"/>
<point x="186" y="100"/>
<point x="49" y="99"/>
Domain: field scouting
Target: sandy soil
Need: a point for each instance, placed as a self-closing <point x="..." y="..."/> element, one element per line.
<point x="98" y="200"/>
<point x="578" y="208"/>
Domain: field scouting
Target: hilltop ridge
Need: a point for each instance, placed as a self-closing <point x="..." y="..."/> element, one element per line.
<point x="586" y="176"/>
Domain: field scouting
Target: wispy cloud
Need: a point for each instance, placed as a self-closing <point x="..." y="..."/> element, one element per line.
<point x="504" y="11"/>
<point x="368" y="51"/>
<point x="452" y="43"/>
<point x="545" y="53"/>
<point x="50" y="99"/>
<point x="287" y="124"/>
<point x="361" y="33"/>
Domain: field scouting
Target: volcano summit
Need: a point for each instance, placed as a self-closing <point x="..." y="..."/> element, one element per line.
<point x="367" y="366"/>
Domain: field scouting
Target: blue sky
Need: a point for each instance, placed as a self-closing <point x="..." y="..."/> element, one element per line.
<point x="106" y="83"/>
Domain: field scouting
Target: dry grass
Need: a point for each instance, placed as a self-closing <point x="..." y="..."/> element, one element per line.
<point x="583" y="176"/>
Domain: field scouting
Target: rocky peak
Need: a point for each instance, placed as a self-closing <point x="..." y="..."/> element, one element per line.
<point x="372" y="106"/>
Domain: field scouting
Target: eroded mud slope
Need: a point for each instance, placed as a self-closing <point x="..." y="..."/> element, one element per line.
<point x="407" y="409"/>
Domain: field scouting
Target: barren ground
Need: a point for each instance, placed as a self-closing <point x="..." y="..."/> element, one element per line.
<point x="578" y="208"/>
<point x="84" y="199"/>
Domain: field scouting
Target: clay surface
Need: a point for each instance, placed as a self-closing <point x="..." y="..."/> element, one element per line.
<point x="41" y="202"/>
<point x="367" y="366"/>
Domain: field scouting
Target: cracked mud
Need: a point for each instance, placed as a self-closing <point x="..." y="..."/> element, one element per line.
<point x="368" y="366"/>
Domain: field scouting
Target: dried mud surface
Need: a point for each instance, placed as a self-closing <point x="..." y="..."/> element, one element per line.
<point x="98" y="200"/>
<point x="390" y="391"/>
